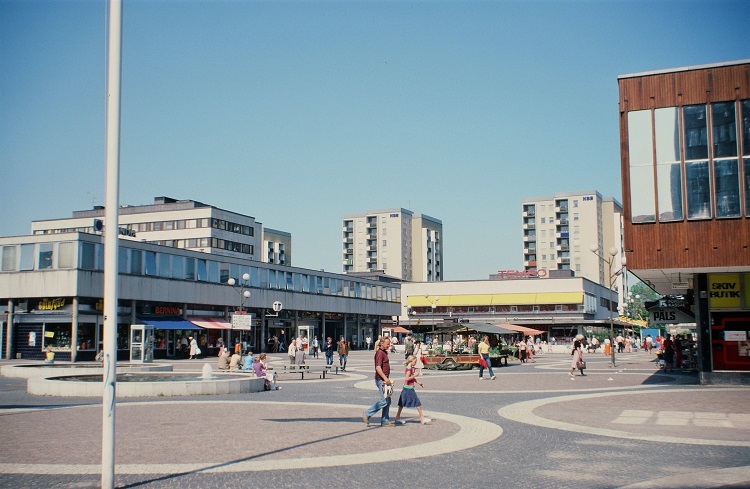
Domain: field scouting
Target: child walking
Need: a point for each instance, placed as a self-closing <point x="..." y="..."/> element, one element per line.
<point x="408" y="396"/>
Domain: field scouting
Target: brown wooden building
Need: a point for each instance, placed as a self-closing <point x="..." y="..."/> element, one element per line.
<point x="685" y="149"/>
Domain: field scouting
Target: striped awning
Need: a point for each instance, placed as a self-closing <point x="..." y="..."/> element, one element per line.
<point x="210" y="322"/>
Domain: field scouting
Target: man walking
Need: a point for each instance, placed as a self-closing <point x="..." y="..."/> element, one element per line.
<point x="382" y="372"/>
<point x="343" y="350"/>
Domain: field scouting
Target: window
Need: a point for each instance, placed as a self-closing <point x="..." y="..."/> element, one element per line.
<point x="727" y="187"/>
<point x="9" y="259"/>
<point x="190" y="268"/>
<point x="150" y="261"/>
<point x="668" y="168"/>
<point x="696" y="132"/>
<point x="698" y="179"/>
<point x="640" y="150"/>
<point x="575" y="216"/>
<point x="165" y="265"/>
<point x="122" y="258"/>
<point x="45" y="256"/>
<point x="746" y="163"/>
<point x="724" y="130"/>
<point x="56" y="336"/>
<point x="384" y="242"/>
<point x="66" y="255"/>
<point x="136" y="259"/>
<point x="178" y="267"/>
<point x="88" y="256"/>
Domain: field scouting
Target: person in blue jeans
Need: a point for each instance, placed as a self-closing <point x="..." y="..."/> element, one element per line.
<point x="484" y="351"/>
<point x="382" y="372"/>
<point x="328" y="350"/>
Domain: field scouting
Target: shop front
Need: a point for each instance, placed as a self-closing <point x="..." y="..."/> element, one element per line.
<point x="729" y="309"/>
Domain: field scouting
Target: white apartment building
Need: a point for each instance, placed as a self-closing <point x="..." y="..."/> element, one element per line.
<point x="184" y="224"/>
<point x="560" y="231"/>
<point x="395" y="241"/>
<point x="277" y="247"/>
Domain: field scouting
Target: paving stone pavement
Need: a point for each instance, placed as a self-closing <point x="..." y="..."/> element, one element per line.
<point x="533" y="426"/>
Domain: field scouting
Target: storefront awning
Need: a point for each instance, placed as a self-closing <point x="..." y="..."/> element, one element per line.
<point x="169" y="322"/>
<point x="210" y="323"/>
<point x="521" y="329"/>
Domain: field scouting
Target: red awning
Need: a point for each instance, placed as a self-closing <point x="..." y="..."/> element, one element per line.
<point x="521" y="329"/>
<point x="211" y="323"/>
<point x="399" y="329"/>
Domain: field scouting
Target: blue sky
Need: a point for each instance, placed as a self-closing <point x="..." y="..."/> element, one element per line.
<point x="298" y="113"/>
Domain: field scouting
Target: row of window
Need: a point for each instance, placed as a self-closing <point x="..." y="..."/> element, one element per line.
<point x="90" y="256"/>
<point x="499" y="309"/>
<point x="696" y="171"/>
<point x="221" y="224"/>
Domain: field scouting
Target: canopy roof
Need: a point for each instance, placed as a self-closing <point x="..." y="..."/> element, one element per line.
<point x="485" y="328"/>
<point x="169" y="322"/>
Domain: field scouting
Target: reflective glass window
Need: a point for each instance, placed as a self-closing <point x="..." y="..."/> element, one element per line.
<point x="45" y="255"/>
<point x="122" y="259"/>
<point x="724" y="130"/>
<point x="642" y="200"/>
<point x="669" y="176"/>
<point x="640" y="140"/>
<point x="178" y="267"/>
<point x="223" y="273"/>
<point x="136" y="259"/>
<point x="696" y="132"/>
<point x="165" y="265"/>
<point x="189" y="268"/>
<point x="9" y="259"/>
<point x="213" y="272"/>
<point x="727" y="187"/>
<point x="88" y="256"/>
<point x="745" y="104"/>
<point x="150" y="261"/>
<point x="667" y="134"/>
<point x="698" y="181"/>
<point x="99" y="256"/>
<point x="66" y="255"/>
<point x="201" y="270"/>
<point x="640" y="151"/>
<point x="263" y="278"/>
<point x="746" y="163"/>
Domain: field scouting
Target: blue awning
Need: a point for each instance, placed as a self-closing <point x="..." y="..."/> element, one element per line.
<point x="168" y="322"/>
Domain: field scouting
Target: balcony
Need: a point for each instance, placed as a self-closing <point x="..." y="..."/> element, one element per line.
<point x="372" y="235"/>
<point x="529" y="225"/>
<point x="563" y="247"/>
<point x="348" y="240"/>
<point x="372" y="259"/>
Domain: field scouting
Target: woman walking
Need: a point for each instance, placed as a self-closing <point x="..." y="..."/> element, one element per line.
<point x="408" y="397"/>
<point x="577" y="362"/>
<point x="484" y="354"/>
<point x="418" y="354"/>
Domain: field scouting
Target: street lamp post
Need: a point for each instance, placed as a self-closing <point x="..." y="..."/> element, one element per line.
<point x="433" y="306"/>
<point x="610" y="260"/>
<point x="244" y="294"/>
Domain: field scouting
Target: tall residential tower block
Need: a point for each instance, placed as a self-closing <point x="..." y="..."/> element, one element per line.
<point x="396" y="241"/>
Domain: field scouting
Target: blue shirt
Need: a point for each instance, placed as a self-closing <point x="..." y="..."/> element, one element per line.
<point x="247" y="363"/>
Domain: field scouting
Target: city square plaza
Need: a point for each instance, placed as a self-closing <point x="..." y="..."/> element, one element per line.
<point x="631" y="426"/>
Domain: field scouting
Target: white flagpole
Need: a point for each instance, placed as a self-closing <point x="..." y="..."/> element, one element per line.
<point x="110" y="243"/>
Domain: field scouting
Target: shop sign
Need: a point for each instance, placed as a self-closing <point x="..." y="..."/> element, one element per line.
<point x="735" y="335"/>
<point x="511" y="274"/>
<point x="669" y="316"/>
<point x="51" y="304"/>
<point x="724" y="291"/>
<point x="242" y="321"/>
<point x="168" y="311"/>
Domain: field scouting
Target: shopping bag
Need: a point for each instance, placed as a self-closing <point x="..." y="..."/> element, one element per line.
<point x="482" y="362"/>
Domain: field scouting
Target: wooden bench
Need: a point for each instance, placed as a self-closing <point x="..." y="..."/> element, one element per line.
<point x="503" y="357"/>
<point x="306" y="369"/>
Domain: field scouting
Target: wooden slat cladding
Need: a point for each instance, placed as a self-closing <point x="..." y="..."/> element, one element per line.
<point x="688" y="245"/>
<point x="682" y="244"/>
<point x="685" y="87"/>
